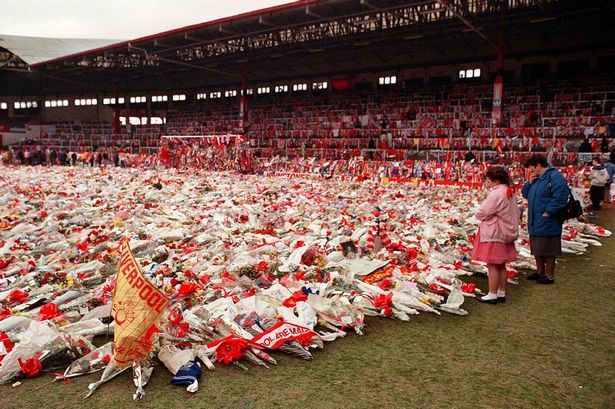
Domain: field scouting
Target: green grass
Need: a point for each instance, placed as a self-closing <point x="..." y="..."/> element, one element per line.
<point x="548" y="347"/>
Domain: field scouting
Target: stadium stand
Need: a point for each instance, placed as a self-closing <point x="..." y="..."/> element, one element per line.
<point x="376" y="90"/>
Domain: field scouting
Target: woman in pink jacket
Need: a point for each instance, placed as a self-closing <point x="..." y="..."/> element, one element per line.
<point x="498" y="230"/>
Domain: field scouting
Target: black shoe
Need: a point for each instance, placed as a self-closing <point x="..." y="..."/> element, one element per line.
<point x="545" y="280"/>
<point x="502" y="299"/>
<point x="493" y="301"/>
<point x="533" y="276"/>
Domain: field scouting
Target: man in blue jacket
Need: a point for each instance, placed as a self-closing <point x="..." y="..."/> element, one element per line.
<point x="610" y="168"/>
<point x="547" y="194"/>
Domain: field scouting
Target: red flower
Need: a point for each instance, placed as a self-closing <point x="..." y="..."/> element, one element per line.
<point x="385" y="284"/>
<point x="182" y="329"/>
<point x="412" y="253"/>
<point x="83" y="275"/>
<point x="106" y="359"/>
<point x="305" y="339"/>
<point x="205" y="279"/>
<point x="289" y="302"/>
<point x="175" y="317"/>
<point x="18" y="296"/>
<point x="230" y="349"/>
<point x="49" y="311"/>
<point x="468" y="288"/>
<point x="4" y="312"/>
<point x="435" y="288"/>
<point x="186" y="288"/>
<point x="46" y="277"/>
<point x="3" y="263"/>
<point x="297" y="296"/>
<point x="32" y="367"/>
<point x="83" y="246"/>
<point x="262" y="266"/>
<point x="383" y="302"/>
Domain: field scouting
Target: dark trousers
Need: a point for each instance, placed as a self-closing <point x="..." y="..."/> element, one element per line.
<point x="596" y="194"/>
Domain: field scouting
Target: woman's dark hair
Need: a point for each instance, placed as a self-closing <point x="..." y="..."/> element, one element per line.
<point x="498" y="174"/>
<point x="598" y="160"/>
<point x="536" y="160"/>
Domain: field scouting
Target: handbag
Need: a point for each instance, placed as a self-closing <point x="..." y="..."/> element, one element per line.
<point x="573" y="208"/>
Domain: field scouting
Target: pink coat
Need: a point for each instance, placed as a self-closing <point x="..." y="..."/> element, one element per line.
<point x="499" y="217"/>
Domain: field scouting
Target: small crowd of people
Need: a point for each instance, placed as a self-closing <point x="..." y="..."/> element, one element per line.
<point x="33" y="156"/>
<point x="547" y="194"/>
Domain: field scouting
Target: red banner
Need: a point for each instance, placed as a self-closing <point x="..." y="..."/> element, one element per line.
<point x="283" y="332"/>
<point x="496" y="113"/>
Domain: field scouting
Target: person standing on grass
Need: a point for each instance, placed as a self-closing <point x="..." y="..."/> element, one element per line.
<point x="498" y="230"/>
<point x="598" y="179"/>
<point x="547" y="194"/>
<point x="610" y="169"/>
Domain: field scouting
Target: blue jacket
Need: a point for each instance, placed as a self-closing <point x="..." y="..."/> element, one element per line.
<point x="610" y="167"/>
<point x="548" y="193"/>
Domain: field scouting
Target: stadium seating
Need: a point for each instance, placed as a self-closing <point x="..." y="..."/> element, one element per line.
<point x="383" y="124"/>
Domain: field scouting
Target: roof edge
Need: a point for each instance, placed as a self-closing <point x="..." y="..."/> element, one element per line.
<point x="279" y="7"/>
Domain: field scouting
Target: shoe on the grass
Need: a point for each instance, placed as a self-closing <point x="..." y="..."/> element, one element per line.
<point x="534" y="276"/>
<point x="545" y="280"/>
<point x="487" y="301"/>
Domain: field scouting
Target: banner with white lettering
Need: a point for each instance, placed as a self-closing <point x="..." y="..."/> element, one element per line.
<point x="137" y="307"/>
<point x="283" y="332"/>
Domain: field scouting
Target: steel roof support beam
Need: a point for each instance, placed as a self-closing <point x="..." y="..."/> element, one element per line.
<point x="309" y="12"/>
<point x="322" y="28"/>
<point x="187" y="36"/>
<point x="262" y="20"/>
<point x="185" y="64"/>
<point x="464" y="20"/>
<point x="227" y="31"/>
<point x="299" y="26"/>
